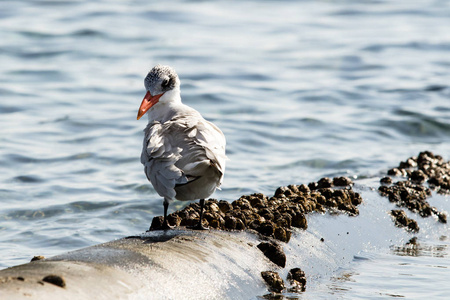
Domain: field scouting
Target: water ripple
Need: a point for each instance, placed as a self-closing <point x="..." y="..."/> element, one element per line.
<point x="301" y="90"/>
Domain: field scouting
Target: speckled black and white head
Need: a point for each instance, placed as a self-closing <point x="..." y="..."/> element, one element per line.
<point x="161" y="79"/>
<point x="162" y="85"/>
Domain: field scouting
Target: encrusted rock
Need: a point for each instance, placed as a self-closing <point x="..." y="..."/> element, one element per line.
<point x="297" y="279"/>
<point x="156" y="223"/>
<point x="37" y="257"/>
<point x="273" y="281"/>
<point x="299" y="221"/>
<point x="282" y="234"/>
<point x="386" y="180"/>
<point x="418" y="176"/>
<point x="428" y="167"/>
<point x="342" y="181"/>
<point x="281" y="191"/>
<point x="230" y="222"/>
<point x="273" y="252"/>
<point x="396" y="172"/>
<point x="266" y="228"/>
<point x="324" y="182"/>
<point x="225" y="206"/>
<point x="272" y="217"/>
<point x="174" y="220"/>
<point x="402" y="220"/>
<point x="55" y="279"/>
<point x="442" y="217"/>
<point x="303" y="188"/>
<point x="411" y="193"/>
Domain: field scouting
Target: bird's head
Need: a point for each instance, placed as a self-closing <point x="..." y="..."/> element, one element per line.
<point x="162" y="85"/>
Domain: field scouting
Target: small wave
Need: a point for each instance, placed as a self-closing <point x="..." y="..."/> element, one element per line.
<point x="435" y="88"/>
<point x="29" y="54"/>
<point x="37" y="34"/>
<point x="28" y="179"/>
<point x="428" y="88"/>
<point x="20" y="158"/>
<point x="417" y="125"/>
<point x="40" y="75"/>
<point x="87" y="33"/>
<point x="421" y="46"/>
<point x="4" y="109"/>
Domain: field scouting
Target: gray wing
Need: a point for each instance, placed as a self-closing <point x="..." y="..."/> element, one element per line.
<point x="180" y="150"/>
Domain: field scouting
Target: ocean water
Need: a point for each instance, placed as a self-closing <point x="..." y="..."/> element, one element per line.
<point x="301" y="89"/>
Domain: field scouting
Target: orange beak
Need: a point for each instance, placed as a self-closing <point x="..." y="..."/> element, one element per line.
<point x="147" y="103"/>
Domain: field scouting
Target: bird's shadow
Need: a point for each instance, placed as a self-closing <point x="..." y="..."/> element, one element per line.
<point x="160" y="236"/>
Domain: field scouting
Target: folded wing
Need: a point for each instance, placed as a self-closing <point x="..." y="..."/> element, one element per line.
<point x="184" y="157"/>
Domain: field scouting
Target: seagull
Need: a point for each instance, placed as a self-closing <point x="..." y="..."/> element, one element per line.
<point x="183" y="154"/>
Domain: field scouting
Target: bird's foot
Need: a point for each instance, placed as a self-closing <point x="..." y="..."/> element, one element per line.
<point x="199" y="226"/>
<point x="164" y="226"/>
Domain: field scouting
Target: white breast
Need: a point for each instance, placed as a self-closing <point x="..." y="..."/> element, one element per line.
<point x="183" y="154"/>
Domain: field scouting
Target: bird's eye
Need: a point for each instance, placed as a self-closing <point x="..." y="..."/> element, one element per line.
<point x="166" y="83"/>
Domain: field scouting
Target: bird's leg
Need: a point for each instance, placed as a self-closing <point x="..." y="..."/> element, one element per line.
<point x="200" y="226"/>
<point x="165" y="225"/>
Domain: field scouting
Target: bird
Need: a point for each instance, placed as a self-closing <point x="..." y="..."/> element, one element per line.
<point x="183" y="154"/>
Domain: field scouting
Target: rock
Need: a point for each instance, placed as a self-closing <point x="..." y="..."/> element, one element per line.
<point x="289" y="193"/>
<point x="327" y="193"/>
<point x="281" y="191"/>
<point x="241" y="203"/>
<point x="342" y="181"/>
<point x="241" y="218"/>
<point x="230" y="222"/>
<point x="266" y="228"/>
<point x="331" y="203"/>
<point x="257" y="202"/>
<point x="409" y="163"/>
<point x="273" y="281"/>
<point x="324" y="182"/>
<point x="293" y="188"/>
<point x="386" y="180"/>
<point x="121" y="269"/>
<point x="271" y="217"/>
<point x="215" y="224"/>
<point x="156" y="223"/>
<point x="402" y="220"/>
<point x="273" y="252"/>
<point x="299" y="221"/>
<point x="55" y="279"/>
<point x="266" y="213"/>
<point x="413" y="226"/>
<point x="285" y="220"/>
<point x="303" y="188"/>
<point x="37" y="257"/>
<point x="396" y="172"/>
<point x="225" y="206"/>
<point x="412" y="241"/>
<point x="281" y="234"/>
<point x="410" y="193"/>
<point x="356" y="197"/>
<point x="297" y="279"/>
<point x="442" y="217"/>
<point x="191" y="221"/>
<point x="174" y="220"/>
<point x="418" y="176"/>
<point x="213" y="207"/>
<point x="400" y="217"/>
<point x="313" y="186"/>
<point x="240" y="225"/>
<point x="429" y="167"/>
